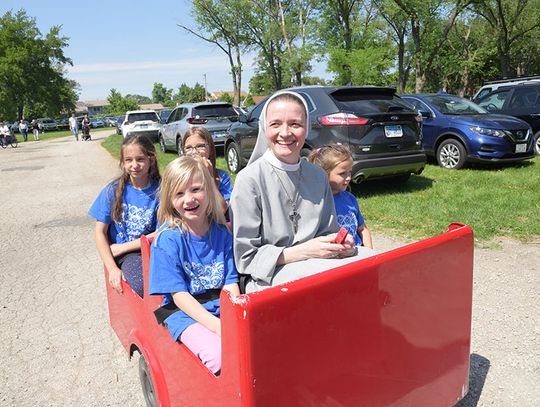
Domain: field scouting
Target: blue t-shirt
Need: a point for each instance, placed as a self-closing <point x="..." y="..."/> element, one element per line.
<point x="181" y="261"/>
<point x="139" y="211"/>
<point x="225" y="184"/>
<point x="348" y="214"/>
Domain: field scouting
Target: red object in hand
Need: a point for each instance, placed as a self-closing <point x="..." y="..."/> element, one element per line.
<point x="342" y="234"/>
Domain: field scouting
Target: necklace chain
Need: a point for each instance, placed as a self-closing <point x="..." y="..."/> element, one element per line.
<point x="293" y="215"/>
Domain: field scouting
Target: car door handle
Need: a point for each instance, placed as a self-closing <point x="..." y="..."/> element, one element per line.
<point x="535" y="115"/>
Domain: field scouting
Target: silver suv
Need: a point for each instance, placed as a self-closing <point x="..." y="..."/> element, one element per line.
<point x="216" y="117"/>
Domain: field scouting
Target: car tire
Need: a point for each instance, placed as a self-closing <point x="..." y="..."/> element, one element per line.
<point x="537" y="143"/>
<point x="162" y="146"/>
<point x="233" y="157"/>
<point x="451" y="154"/>
<point x="147" y="383"/>
<point x="179" y="146"/>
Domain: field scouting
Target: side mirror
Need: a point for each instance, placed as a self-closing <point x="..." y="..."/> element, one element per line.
<point x="242" y="118"/>
<point x="426" y="114"/>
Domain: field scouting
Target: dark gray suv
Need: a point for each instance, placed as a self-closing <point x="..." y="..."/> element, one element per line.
<point x="382" y="131"/>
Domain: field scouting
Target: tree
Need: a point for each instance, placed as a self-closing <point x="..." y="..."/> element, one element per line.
<point x="32" y="68"/>
<point x="118" y="104"/>
<point x="187" y="94"/>
<point x="512" y="21"/>
<point x="219" y="24"/>
<point x="160" y="94"/>
<point x="139" y="99"/>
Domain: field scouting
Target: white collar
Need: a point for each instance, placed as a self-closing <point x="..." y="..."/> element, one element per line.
<point x="276" y="162"/>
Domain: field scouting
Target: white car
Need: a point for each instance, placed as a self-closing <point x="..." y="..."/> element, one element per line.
<point x="141" y="122"/>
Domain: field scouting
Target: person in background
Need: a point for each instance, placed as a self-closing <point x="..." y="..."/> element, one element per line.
<point x="4" y="133"/>
<point x="85" y="124"/>
<point x="23" y="128"/>
<point x="336" y="160"/>
<point x="35" y="129"/>
<point x="198" y="142"/>
<point x="74" y="126"/>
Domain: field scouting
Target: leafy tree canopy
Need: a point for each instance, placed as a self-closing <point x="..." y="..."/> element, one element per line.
<point x="32" y="69"/>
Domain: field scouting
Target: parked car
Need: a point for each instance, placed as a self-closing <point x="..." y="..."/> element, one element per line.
<point x="47" y="124"/>
<point x="97" y="122"/>
<point x="494" y="85"/>
<point x="141" y="122"/>
<point x="214" y="116"/>
<point x="164" y="115"/>
<point x="382" y="131"/>
<point x="14" y="127"/>
<point x="522" y="101"/>
<point x="62" y="124"/>
<point x="456" y="131"/>
<point x="118" y="124"/>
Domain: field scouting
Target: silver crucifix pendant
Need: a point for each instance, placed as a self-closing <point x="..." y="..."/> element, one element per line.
<point x="293" y="216"/>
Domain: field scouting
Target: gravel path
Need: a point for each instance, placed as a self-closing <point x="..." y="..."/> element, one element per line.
<point x="58" y="346"/>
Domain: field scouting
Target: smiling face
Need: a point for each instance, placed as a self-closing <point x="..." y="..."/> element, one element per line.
<point x="286" y="129"/>
<point x="191" y="202"/>
<point x="137" y="164"/>
<point x="196" y="145"/>
<point x="340" y="176"/>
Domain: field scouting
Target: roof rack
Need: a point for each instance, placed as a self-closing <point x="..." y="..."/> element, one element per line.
<point x="519" y="78"/>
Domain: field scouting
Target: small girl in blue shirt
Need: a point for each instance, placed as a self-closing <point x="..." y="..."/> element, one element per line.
<point x="192" y="258"/>
<point x="337" y="161"/>
<point x="126" y="209"/>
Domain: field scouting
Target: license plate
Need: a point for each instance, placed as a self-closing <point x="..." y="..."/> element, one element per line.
<point x="521" y="148"/>
<point x="393" y="131"/>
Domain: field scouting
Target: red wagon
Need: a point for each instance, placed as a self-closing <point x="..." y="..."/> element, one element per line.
<point x="390" y="330"/>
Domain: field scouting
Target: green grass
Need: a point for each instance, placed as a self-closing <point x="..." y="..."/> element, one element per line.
<point x="494" y="201"/>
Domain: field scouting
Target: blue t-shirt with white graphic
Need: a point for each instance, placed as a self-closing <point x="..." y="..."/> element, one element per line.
<point x="183" y="262"/>
<point x="225" y="184"/>
<point x="348" y="214"/>
<point x="139" y="211"/>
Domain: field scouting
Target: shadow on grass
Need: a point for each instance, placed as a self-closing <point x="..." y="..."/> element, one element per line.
<point x="477" y="378"/>
<point x="386" y="186"/>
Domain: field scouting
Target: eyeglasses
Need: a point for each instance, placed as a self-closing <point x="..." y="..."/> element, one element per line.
<point x="200" y="148"/>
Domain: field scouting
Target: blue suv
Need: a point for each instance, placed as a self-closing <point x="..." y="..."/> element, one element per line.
<point x="456" y="131"/>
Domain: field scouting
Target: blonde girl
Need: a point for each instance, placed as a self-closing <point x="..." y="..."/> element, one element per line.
<point x="126" y="209"/>
<point x="192" y="258"/>
<point x="336" y="160"/>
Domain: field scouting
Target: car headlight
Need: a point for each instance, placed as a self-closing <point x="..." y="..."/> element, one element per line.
<point x="489" y="132"/>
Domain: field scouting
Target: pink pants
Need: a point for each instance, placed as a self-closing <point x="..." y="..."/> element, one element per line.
<point x="205" y="344"/>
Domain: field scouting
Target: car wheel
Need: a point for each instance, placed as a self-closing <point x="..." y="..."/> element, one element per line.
<point x="179" y="146"/>
<point x="162" y="144"/>
<point x="537" y="143"/>
<point x="233" y="158"/>
<point x="451" y="154"/>
<point x="146" y="383"/>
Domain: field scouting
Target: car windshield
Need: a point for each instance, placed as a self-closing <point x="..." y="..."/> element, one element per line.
<point x="139" y="117"/>
<point x="209" y="111"/>
<point x="369" y="101"/>
<point x="454" y="105"/>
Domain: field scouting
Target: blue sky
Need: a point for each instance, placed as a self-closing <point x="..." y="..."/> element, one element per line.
<point x="129" y="45"/>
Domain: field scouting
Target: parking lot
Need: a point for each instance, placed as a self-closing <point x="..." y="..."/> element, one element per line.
<point x="58" y="346"/>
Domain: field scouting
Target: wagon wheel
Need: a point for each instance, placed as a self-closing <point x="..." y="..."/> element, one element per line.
<point x="146" y="383"/>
